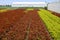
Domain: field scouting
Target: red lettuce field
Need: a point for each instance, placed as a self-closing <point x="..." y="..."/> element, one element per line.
<point x="22" y="24"/>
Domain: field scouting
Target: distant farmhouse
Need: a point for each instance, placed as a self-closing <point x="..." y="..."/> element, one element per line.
<point x="28" y="4"/>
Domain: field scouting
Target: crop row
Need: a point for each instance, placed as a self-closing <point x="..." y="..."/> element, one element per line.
<point x="3" y="10"/>
<point x="12" y="26"/>
<point x="37" y="28"/>
<point x="52" y="23"/>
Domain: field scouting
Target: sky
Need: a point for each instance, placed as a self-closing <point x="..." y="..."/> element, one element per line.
<point x="4" y="2"/>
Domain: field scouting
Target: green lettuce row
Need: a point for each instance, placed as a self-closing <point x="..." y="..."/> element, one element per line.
<point x="54" y="22"/>
<point x="53" y="17"/>
<point x="50" y="24"/>
<point x="47" y="23"/>
<point x="57" y="25"/>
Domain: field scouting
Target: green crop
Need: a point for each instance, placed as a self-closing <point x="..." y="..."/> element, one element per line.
<point x="52" y="23"/>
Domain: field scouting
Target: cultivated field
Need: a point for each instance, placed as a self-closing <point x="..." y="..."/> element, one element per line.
<point x="52" y="23"/>
<point x="29" y="24"/>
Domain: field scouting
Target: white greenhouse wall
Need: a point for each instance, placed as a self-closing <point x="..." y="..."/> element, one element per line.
<point x="28" y="4"/>
<point x="54" y="7"/>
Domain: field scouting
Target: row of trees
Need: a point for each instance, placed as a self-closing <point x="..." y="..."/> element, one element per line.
<point x="5" y="5"/>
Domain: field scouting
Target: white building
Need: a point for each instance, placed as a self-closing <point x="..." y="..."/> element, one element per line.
<point x="54" y="7"/>
<point x="28" y="4"/>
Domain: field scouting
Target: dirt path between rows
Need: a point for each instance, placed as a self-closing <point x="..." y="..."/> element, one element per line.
<point x="21" y="25"/>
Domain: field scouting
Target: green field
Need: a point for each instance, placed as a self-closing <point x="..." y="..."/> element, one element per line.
<point x="52" y="23"/>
